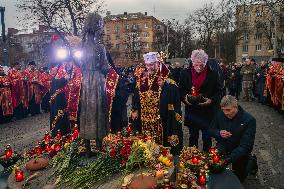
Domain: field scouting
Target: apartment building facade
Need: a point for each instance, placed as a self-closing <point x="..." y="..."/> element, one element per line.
<point x="128" y="36"/>
<point x="261" y="31"/>
<point x="24" y="46"/>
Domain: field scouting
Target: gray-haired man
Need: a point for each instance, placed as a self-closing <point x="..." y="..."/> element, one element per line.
<point x="234" y="130"/>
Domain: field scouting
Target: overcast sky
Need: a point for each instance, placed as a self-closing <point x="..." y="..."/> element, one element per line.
<point x="162" y="9"/>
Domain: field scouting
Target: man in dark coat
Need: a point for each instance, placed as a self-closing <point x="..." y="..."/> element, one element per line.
<point x="260" y="81"/>
<point x="119" y="108"/>
<point x="233" y="79"/>
<point x="176" y="72"/>
<point x="240" y="79"/>
<point x="198" y="116"/>
<point x="214" y="66"/>
<point x="234" y="129"/>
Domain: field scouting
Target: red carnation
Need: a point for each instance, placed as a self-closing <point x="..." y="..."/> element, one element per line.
<point x="122" y="151"/>
<point x="112" y="153"/>
<point x="123" y="162"/>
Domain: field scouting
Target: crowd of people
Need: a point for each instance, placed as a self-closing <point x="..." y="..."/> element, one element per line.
<point x="258" y="81"/>
<point x="29" y="88"/>
<point x="157" y="90"/>
<point x="24" y="92"/>
<point x="92" y="94"/>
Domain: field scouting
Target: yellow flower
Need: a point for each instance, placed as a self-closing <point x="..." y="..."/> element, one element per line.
<point x="66" y="145"/>
<point x="168" y="163"/>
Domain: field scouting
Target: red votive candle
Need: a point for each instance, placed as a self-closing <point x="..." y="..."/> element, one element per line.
<point x="216" y="159"/>
<point x="8" y="151"/>
<point x="194" y="160"/>
<point x="19" y="175"/>
<point x="202" y="179"/>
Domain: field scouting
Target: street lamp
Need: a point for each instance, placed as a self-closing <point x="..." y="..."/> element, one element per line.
<point x="2" y="11"/>
<point x="5" y="51"/>
<point x="167" y="47"/>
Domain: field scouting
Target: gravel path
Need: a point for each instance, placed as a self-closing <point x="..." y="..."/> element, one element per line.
<point x="23" y="133"/>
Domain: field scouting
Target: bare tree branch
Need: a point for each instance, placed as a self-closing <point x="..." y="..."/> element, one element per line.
<point x="58" y="15"/>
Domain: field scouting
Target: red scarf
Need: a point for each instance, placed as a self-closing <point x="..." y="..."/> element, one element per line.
<point x="198" y="78"/>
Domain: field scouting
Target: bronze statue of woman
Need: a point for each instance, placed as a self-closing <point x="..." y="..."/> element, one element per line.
<point x="94" y="111"/>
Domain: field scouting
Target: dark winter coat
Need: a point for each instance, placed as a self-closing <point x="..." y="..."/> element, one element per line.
<point x="233" y="79"/>
<point x="210" y="88"/>
<point x="242" y="127"/>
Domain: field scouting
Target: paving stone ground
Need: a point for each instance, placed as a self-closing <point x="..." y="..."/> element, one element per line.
<point x="269" y="142"/>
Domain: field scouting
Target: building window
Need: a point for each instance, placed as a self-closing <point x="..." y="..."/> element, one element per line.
<point x="146" y="34"/>
<point x="246" y="37"/>
<point x="107" y="28"/>
<point x="134" y="16"/>
<point x="135" y="26"/>
<point x="273" y="35"/>
<point x="245" y="48"/>
<point x="117" y="37"/>
<point x="258" y="47"/>
<point x="246" y="14"/>
<point x="127" y="27"/>
<point x="272" y="24"/>
<point x="127" y="37"/>
<point x="108" y="38"/>
<point x="117" y="46"/>
<point x="116" y="29"/>
<point x="146" y="25"/>
<point x="258" y="36"/>
<point x="258" y="13"/>
<point x="146" y="45"/>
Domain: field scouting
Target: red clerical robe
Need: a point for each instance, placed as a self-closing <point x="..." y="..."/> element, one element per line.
<point x="6" y="96"/>
<point x="34" y="85"/>
<point x="45" y="80"/>
<point x="278" y="87"/>
<point x="69" y="89"/>
<point x="19" y="89"/>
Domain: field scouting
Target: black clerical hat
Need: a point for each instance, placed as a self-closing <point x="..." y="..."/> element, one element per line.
<point x="32" y="63"/>
<point x="278" y="59"/>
